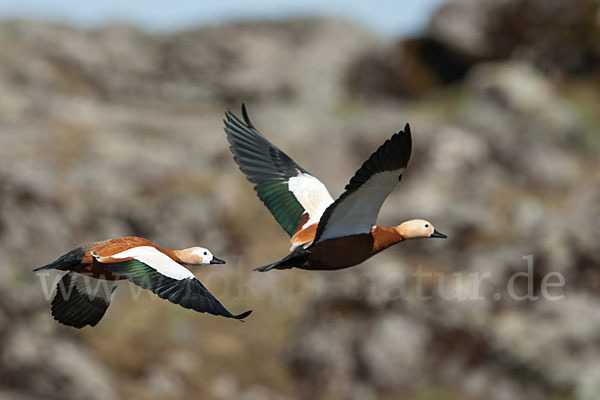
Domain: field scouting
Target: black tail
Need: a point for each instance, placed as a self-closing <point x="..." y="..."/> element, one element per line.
<point x="67" y="261"/>
<point x="268" y="267"/>
<point x="52" y="265"/>
<point x="296" y="258"/>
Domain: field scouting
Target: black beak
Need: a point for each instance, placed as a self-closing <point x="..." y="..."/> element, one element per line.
<point x="216" y="260"/>
<point x="438" y="235"/>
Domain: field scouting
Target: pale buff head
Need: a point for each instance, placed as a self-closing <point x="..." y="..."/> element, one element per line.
<point x="197" y="256"/>
<point x="418" y="228"/>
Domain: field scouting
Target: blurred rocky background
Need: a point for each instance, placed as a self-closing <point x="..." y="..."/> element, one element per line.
<point x="115" y="131"/>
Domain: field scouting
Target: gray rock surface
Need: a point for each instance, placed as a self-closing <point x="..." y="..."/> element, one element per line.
<point x="115" y="131"/>
<point x="556" y="35"/>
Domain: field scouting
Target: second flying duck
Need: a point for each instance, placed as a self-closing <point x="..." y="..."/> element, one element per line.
<point x="325" y="234"/>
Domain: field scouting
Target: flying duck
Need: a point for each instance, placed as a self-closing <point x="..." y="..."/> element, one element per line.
<point x="325" y="234"/>
<point x="85" y="291"/>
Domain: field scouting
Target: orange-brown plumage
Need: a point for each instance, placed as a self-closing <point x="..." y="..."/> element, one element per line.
<point x="90" y="266"/>
<point x="304" y="236"/>
<point x="114" y="246"/>
<point x="340" y="252"/>
<point x="81" y="300"/>
<point x="346" y="251"/>
<point x="325" y="234"/>
<point x="384" y="237"/>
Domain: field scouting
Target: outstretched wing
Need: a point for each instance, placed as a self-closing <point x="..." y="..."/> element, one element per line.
<point x="355" y="211"/>
<point x="286" y="188"/>
<point x="81" y="300"/>
<point x="151" y="269"/>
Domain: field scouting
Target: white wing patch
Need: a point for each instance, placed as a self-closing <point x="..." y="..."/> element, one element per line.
<point x="155" y="259"/>
<point x="357" y="212"/>
<point x="311" y="194"/>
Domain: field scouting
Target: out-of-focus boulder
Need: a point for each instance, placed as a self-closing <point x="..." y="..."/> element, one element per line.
<point x="50" y="367"/>
<point x="508" y="175"/>
<point x="559" y="36"/>
<point x="516" y="106"/>
<point x="407" y="68"/>
<point x="227" y="63"/>
<point x="115" y="131"/>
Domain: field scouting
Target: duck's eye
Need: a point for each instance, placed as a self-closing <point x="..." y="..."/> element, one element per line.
<point x="205" y="253"/>
<point x="426" y="225"/>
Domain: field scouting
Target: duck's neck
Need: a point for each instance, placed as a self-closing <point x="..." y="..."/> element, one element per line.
<point x="384" y="237"/>
<point x="175" y="255"/>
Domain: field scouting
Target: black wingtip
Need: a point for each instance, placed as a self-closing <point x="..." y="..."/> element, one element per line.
<point x="242" y="315"/>
<point x="245" y="116"/>
<point x="76" y="309"/>
<point x="407" y="128"/>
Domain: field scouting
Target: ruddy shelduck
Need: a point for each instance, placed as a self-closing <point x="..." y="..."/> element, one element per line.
<point x="325" y="234"/>
<point x="85" y="291"/>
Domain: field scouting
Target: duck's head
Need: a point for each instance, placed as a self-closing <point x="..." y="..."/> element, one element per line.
<point x="197" y="256"/>
<point x="418" y="228"/>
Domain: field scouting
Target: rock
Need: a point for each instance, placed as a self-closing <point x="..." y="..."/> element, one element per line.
<point x="462" y="25"/>
<point x="494" y="176"/>
<point x="323" y="364"/>
<point x="392" y="353"/>
<point x="114" y="131"/>
<point x="246" y="61"/>
<point x="540" y="121"/>
<point x="559" y="354"/>
<point x="559" y="36"/>
<point x="43" y="365"/>
<point x="408" y="68"/>
<point x="393" y="70"/>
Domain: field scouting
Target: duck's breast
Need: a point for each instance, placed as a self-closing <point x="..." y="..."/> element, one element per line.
<point x="341" y="252"/>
